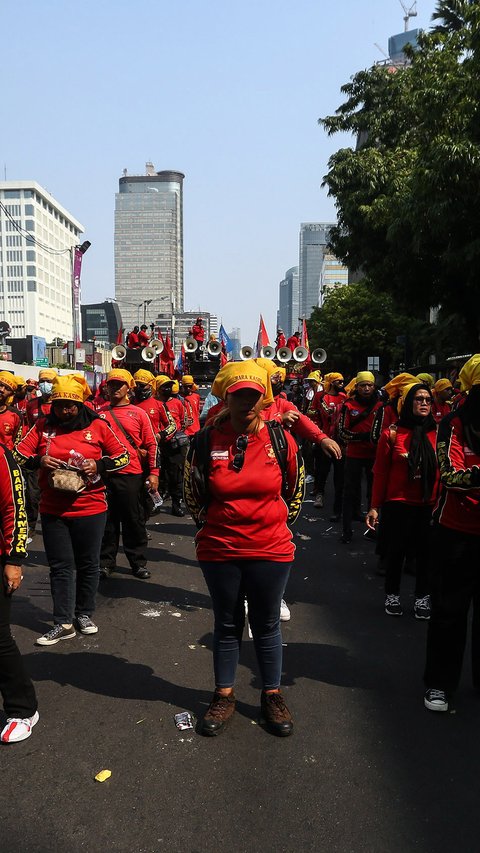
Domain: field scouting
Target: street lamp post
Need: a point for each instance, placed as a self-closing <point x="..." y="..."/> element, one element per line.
<point x="76" y="255"/>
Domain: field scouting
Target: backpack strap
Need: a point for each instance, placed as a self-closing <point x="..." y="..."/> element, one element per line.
<point x="280" y="448"/>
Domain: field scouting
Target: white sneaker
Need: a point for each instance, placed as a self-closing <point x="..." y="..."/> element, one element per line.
<point x="309" y="478"/>
<point x="436" y="700"/>
<point x="85" y="625"/>
<point x="18" y="729"/>
<point x="284" y="611"/>
<point x="318" y="502"/>
<point x="57" y="633"/>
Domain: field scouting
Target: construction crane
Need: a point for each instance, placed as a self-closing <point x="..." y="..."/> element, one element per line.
<point x="409" y="12"/>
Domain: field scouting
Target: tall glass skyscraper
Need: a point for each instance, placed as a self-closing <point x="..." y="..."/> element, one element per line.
<point x="287" y="315"/>
<point x="313" y="243"/>
<point x="149" y="244"/>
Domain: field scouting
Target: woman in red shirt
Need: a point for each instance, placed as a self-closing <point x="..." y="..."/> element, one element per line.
<point x="242" y="498"/>
<point x="72" y="522"/>
<point x="405" y="478"/>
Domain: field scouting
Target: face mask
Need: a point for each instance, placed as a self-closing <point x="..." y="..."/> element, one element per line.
<point x="276" y="389"/>
<point x="143" y="393"/>
<point x="45" y="387"/>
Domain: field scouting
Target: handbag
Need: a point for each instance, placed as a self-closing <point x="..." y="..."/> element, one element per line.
<point x="67" y="480"/>
<point x="178" y="441"/>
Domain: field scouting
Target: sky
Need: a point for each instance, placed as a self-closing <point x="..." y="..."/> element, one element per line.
<point x="228" y="93"/>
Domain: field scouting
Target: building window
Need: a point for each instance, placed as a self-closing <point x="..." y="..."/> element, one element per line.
<point x="30" y="224"/>
<point x="31" y="255"/>
<point x="31" y="286"/>
<point x="11" y="194"/>
<point x="29" y="211"/>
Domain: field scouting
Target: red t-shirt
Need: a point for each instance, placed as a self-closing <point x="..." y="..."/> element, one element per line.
<point x="192" y="406"/>
<point x="246" y="515"/>
<point x="10" y="427"/>
<point x="458" y="506"/>
<point x="143" y="338"/>
<point x="439" y="409"/>
<point x="355" y="431"/>
<point x="137" y="424"/>
<point x="198" y="332"/>
<point x="303" y="427"/>
<point x="324" y="411"/>
<point x="156" y="413"/>
<point x="178" y="412"/>
<point x="37" y="409"/>
<point x="390" y="471"/>
<point x="96" y="441"/>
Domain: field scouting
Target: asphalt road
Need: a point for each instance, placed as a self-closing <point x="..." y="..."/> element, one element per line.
<point x="367" y="769"/>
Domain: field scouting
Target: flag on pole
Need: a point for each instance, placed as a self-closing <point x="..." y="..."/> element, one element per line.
<point x="225" y="340"/>
<point x="262" y="337"/>
<point x="120" y="335"/>
<point x="181" y="360"/>
<point x="304" y="338"/>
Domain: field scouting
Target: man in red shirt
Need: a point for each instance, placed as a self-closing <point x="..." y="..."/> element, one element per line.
<point x="143" y="337"/>
<point x="280" y="340"/>
<point x="125" y="489"/>
<point x="173" y="448"/>
<point x="325" y="412"/>
<point x="355" y="427"/>
<point x="132" y="338"/>
<point x="443" y="393"/>
<point x="191" y="401"/>
<point x="10" y="420"/>
<point x="293" y="341"/>
<point x="198" y="332"/>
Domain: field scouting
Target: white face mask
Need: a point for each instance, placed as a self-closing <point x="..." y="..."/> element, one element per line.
<point x="45" y="387"/>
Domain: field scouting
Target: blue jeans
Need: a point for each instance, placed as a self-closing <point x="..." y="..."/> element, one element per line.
<point x="73" y="545"/>
<point x="262" y="583"/>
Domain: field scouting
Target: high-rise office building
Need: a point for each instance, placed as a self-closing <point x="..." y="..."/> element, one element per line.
<point x="288" y="302"/>
<point x="101" y="322"/>
<point x="334" y="274"/>
<point x="149" y="244"/>
<point x="36" y="236"/>
<point x="313" y="243"/>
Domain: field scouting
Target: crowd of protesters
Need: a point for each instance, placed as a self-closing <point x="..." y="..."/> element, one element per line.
<point x="94" y="467"/>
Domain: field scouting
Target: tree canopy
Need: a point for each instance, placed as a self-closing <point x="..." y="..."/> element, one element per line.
<point x="407" y="197"/>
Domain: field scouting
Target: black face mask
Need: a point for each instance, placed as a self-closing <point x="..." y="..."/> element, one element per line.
<point x="277" y="388"/>
<point x="143" y="393"/>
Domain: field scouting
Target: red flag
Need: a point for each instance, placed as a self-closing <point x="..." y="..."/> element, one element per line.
<point x="120" y="335"/>
<point x="304" y="338"/>
<point x="168" y="352"/>
<point x="262" y="338"/>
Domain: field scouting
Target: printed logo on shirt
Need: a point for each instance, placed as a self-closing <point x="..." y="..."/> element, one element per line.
<point x="88" y="435"/>
<point x="219" y="454"/>
<point x="355" y="413"/>
<point x="270" y="452"/>
<point x="7" y="427"/>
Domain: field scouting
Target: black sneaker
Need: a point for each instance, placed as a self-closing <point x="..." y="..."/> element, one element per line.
<point x="220" y="711"/>
<point x="178" y="511"/>
<point x="422" y="608"/>
<point x="85" y="625"/>
<point x="346" y="537"/>
<point x="276" y="715"/>
<point x="435" y="700"/>
<point x="105" y="572"/>
<point x="393" y="606"/>
<point x="142" y="573"/>
<point x="57" y="633"/>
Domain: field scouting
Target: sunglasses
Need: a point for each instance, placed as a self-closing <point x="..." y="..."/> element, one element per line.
<point x="426" y="400"/>
<point x="239" y="458"/>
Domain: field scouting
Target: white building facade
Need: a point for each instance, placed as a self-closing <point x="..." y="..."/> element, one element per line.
<point x="36" y="237"/>
<point x="334" y="274"/>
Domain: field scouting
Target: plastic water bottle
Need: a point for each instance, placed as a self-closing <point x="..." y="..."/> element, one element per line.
<point x="157" y="499"/>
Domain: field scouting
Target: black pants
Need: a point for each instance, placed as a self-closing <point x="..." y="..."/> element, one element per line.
<point x="72" y="546"/>
<point x="172" y="465"/>
<point x="406" y="532"/>
<point x="125" y="508"/>
<point x="308" y="454"/>
<point x="32" y="496"/>
<point x="323" y="463"/>
<point x="455" y="584"/>
<point x="17" y="690"/>
<point x="352" y="488"/>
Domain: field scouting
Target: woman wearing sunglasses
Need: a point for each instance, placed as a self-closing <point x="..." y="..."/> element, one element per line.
<point x="243" y="486"/>
<point x="405" y="479"/>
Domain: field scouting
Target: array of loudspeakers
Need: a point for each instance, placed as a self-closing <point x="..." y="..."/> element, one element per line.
<point x="191" y="346"/>
<point x="148" y="353"/>
<point x="285" y="354"/>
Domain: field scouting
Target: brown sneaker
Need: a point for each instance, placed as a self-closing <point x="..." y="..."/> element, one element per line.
<point x="276" y="714"/>
<point x="220" y="710"/>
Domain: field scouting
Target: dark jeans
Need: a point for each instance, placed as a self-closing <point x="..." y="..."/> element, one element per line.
<point x="406" y="532"/>
<point x="32" y="496"/>
<point x="125" y="508"/>
<point x="262" y="583"/>
<point x="172" y="465"/>
<point x="455" y="584"/>
<point x="323" y="463"/>
<point x="73" y="544"/>
<point x="15" y="686"/>
<point x="352" y="488"/>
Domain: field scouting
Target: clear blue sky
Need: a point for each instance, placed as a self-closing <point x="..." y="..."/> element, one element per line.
<point x="228" y="93"/>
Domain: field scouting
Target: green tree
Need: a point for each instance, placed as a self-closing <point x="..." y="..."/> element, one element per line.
<point x="407" y="196"/>
<point x="356" y="322"/>
<point x="452" y="14"/>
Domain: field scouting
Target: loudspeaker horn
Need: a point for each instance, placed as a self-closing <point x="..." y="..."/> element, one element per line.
<point x="300" y="354"/>
<point x="246" y="353"/>
<point x="284" y="354"/>
<point x="267" y="352"/>
<point x="214" y="347"/>
<point x="148" y="354"/>
<point x="191" y="345"/>
<point x="319" y="355"/>
<point x="157" y="346"/>
<point x="119" y="352"/>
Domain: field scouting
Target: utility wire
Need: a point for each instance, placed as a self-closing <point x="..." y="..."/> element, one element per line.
<point x="27" y="234"/>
